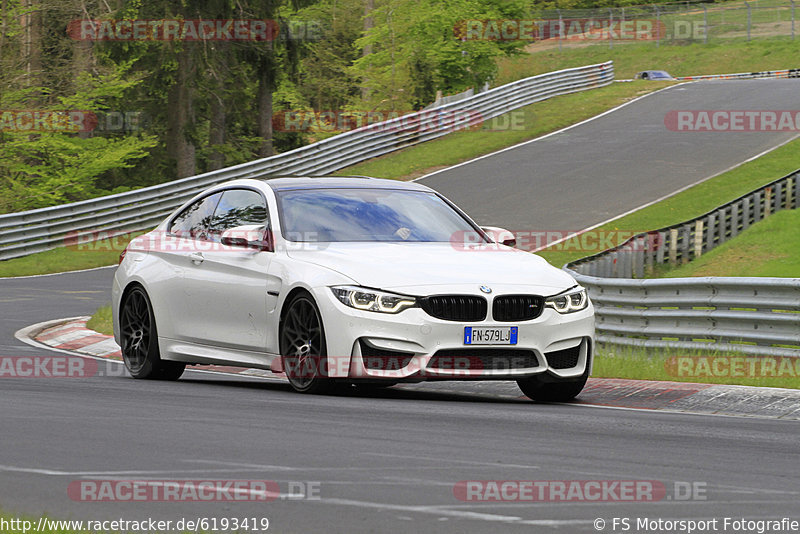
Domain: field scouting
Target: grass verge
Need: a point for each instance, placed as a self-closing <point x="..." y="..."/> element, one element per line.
<point x="102" y="321"/>
<point x="768" y="248"/>
<point x="514" y="127"/>
<point x="678" y="60"/>
<point x="704" y="367"/>
<point x="692" y="202"/>
<point x="70" y="258"/>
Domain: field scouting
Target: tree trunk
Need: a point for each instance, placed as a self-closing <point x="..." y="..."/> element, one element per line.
<point x="32" y="42"/>
<point x="265" y="88"/>
<point x="369" y="22"/>
<point x="218" y="72"/>
<point x="216" y="134"/>
<point x="180" y="117"/>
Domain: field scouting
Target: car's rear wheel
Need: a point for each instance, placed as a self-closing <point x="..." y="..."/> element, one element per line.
<point x="547" y="388"/>
<point x="302" y="345"/>
<point x="140" y="340"/>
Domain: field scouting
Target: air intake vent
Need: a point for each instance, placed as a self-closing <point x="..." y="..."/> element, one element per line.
<point x="564" y="359"/>
<point x="473" y="359"/>
<point x="517" y="307"/>
<point x="467" y="308"/>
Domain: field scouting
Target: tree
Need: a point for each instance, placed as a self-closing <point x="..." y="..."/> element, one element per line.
<point x="416" y="49"/>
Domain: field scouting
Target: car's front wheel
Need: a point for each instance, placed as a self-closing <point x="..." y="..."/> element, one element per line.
<point x="547" y="388"/>
<point x="302" y="345"/>
<point x="140" y="340"/>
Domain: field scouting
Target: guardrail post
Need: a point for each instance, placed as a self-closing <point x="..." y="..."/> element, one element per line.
<point x="705" y="23"/>
<point x="787" y="199"/>
<point x="745" y="213"/>
<point x="792" y="1"/>
<point x="722" y="225"/>
<point x="767" y="202"/>
<point x="749" y="18"/>
<point x="698" y="238"/>
<point x="673" y="246"/>
<point x="661" y="246"/>
<point x="736" y="218"/>
<point x="610" y="25"/>
<point x="686" y="243"/>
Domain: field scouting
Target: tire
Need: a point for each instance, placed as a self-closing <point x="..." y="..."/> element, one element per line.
<point x="140" y="340"/>
<point x="548" y="388"/>
<point x="303" y="348"/>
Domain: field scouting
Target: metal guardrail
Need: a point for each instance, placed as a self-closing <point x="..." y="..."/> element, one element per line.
<point x="46" y="228"/>
<point x="753" y="315"/>
<point x="783" y="73"/>
<point x="683" y="242"/>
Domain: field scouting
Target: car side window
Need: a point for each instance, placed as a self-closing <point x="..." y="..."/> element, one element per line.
<point x="193" y="222"/>
<point x="238" y="207"/>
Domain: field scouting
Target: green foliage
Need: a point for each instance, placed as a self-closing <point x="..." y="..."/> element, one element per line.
<point x="416" y="50"/>
<point x="42" y="167"/>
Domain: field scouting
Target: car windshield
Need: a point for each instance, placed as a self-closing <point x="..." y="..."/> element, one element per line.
<point x="659" y="74"/>
<point x="361" y="214"/>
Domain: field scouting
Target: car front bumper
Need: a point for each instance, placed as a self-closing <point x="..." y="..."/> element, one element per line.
<point x="414" y="346"/>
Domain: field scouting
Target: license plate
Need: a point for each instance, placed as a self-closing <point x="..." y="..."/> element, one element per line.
<point x="490" y="335"/>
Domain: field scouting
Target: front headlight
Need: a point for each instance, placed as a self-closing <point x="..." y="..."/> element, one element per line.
<point x="362" y="298"/>
<point x="570" y="301"/>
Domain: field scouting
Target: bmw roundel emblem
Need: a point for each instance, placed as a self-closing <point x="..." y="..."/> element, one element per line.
<point x="486" y="289"/>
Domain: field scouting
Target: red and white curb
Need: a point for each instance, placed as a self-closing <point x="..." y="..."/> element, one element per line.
<point x="71" y="336"/>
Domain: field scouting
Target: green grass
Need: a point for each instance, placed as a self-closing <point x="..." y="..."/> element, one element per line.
<point x="533" y="121"/>
<point x="102" y="321"/>
<point x="681" y="365"/>
<point x="694" y="201"/>
<point x="69" y="258"/>
<point x="768" y="248"/>
<point x="678" y="60"/>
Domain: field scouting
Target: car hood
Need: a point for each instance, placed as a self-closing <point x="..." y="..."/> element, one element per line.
<point x="418" y="265"/>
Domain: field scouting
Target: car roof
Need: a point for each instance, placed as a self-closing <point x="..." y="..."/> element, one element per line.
<point x="350" y="182"/>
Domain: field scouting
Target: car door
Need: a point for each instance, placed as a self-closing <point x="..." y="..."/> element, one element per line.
<point x="228" y="293"/>
<point x="184" y="237"/>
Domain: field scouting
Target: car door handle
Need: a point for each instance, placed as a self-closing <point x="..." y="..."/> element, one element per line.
<point x="196" y="257"/>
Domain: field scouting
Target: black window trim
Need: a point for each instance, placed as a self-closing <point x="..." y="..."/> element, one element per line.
<point x="210" y="193"/>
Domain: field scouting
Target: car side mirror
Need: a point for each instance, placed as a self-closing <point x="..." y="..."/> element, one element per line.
<point x="500" y="235"/>
<point x="252" y="236"/>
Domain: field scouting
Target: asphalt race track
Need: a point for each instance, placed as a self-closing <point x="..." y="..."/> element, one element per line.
<point x="389" y="461"/>
<point x="607" y="166"/>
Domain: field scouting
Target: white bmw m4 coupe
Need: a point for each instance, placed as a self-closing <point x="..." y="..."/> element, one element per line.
<point x="347" y="280"/>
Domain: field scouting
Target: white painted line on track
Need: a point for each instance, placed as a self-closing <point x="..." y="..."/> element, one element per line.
<point x="55" y="274"/>
<point x="664" y="197"/>
<point x="448" y="460"/>
<point x="545" y="136"/>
